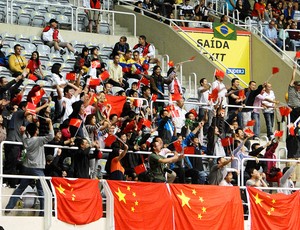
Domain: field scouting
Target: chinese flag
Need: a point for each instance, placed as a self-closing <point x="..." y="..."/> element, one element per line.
<point x="71" y="76"/>
<point x="192" y="58"/>
<point x="251" y="123"/>
<point x="154" y="97"/>
<point x="274" y="211"/>
<point x="75" y="122"/>
<point x="147" y="123"/>
<point x="214" y="95"/>
<point x="176" y="97"/>
<point x="278" y="133"/>
<point x="38" y="96"/>
<point x="275" y="70"/>
<point x="129" y="127"/>
<point x="285" y="110"/>
<point x="189" y="150"/>
<point x="249" y="132"/>
<point x="104" y="75"/>
<point x="137" y="103"/>
<point x="96" y="64"/>
<point x="32" y="77"/>
<point x="109" y="140"/>
<point x="171" y="64"/>
<point x="95" y="81"/>
<point x="116" y="102"/>
<point x="205" y="207"/>
<point x="78" y="201"/>
<point x="144" y="81"/>
<point x="31" y="108"/>
<point x="219" y="73"/>
<point x="227" y="141"/>
<point x="139" y="205"/>
<point x="242" y="94"/>
<point x="177" y="146"/>
<point x="93" y="99"/>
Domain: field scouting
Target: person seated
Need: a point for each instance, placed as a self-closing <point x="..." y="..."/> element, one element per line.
<point x="271" y="33"/>
<point x="146" y="50"/>
<point x="17" y="62"/>
<point x="34" y="66"/>
<point x="186" y="12"/>
<point x="52" y="37"/>
<point x="83" y="61"/>
<point x="116" y="75"/>
<point x="294" y="37"/>
<point x="120" y="47"/>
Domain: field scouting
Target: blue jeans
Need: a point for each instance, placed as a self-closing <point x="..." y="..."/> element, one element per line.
<point x="269" y="118"/>
<point x="256" y="128"/>
<point x="23" y="185"/>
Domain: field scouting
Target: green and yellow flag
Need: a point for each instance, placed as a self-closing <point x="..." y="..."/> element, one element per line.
<point x="224" y="31"/>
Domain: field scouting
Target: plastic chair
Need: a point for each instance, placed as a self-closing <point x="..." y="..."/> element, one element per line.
<point x="22" y="38"/>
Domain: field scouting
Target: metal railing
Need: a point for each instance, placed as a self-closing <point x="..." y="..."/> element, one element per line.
<point x="113" y="17"/>
<point x="194" y="75"/>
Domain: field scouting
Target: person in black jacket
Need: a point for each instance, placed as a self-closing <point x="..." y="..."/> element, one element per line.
<point x="6" y="88"/>
<point x="120" y="47"/>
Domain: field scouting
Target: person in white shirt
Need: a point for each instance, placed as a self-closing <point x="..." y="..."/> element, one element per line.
<point x="52" y="37"/>
<point x="269" y="104"/>
<point x="179" y="120"/>
<point x="70" y="96"/>
<point x="116" y="74"/>
<point x="222" y="91"/>
<point x="286" y="180"/>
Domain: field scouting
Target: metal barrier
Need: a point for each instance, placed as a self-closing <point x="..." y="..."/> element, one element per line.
<point x="165" y="59"/>
<point x="113" y="17"/>
<point x="195" y="84"/>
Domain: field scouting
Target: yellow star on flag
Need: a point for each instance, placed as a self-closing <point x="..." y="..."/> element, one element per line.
<point x="121" y="195"/>
<point x="203" y="209"/>
<point x="136" y="203"/>
<point x="128" y="188"/>
<point x="132" y="209"/>
<point x="61" y="189"/>
<point x="273" y="201"/>
<point x="272" y="209"/>
<point x="199" y="216"/>
<point x="201" y="199"/>
<point x="269" y="213"/>
<point x="257" y="199"/>
<point x="184" y="199"/>
<point x="133" y="194"/>
<point x="194" y="191"/>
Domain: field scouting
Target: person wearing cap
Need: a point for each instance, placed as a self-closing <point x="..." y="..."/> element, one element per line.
<point x="294" y="96"/>
<point x="52" y="37"/>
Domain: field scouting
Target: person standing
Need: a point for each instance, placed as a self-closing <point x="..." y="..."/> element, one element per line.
<point x="293" y="96"/>
<point x="34" y="163"/>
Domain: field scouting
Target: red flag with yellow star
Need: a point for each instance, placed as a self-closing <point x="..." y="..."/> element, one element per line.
<point x="78" y="201"/>
<point x="207" y="207"/>
<point x="274" y="211"/>
<point x="139" y="205"/>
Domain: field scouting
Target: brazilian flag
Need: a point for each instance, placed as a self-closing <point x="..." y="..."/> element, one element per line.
<point x="224" y="31"/>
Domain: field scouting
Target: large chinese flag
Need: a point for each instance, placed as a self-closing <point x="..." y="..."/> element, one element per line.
<point x="141" y="205"/>
<point x="78" y="201"/>
<point x="116" y="102"/>
<point x="207" y="207"/>
<point x="274" y="211"/>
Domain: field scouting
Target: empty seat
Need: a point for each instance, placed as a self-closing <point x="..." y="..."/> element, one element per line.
<point x="77" y="45"/>
<point x="36" y="40"/>
<point x="41" y="9"/>
<point x="44" y="52"/>
<point x="28" y="8"/>
<point x="8" y="37"/>
<point x="29" y="47"/>
<point x="64" y="22"/>
<point x="38" y="19"/>
<point x="2" y="15"/>
<point x="104" y="28"/>
<point x="69" y="59"/>
<point x="55" y="57"/>
<point x="22" y="38"/>
<point x="24" y="17"/>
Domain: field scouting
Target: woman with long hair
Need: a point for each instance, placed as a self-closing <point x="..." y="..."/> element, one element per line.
<point x="34" y="65"/>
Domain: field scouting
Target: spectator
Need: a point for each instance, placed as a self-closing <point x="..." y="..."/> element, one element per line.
<point x="218" y="171"/>
<point x="157" y="162"/>
<point x="186" y="12"/>
<point x="243" y="12"/>
<point x="258" y="12"/>
<point x="289" y="11"/>
<point x="34" y="65"/>
<point x="114" y="161"/>
<point x="278" y="10"/>
<point x="34" y="163"/>
<point x="51" y="36"/>
<point x="271" y="33"/>
<point x="115" y="74"/>
<point x="146" y="50"/>
<point x="83" y="61"/>
<point x="140" y="66"/>
<point x="256" y="112"/>
<point x="293" y="96"/>
<point x="93" y="15"/>
<point x="17" y="62"/>
<point x="257" y="179"/>
<point x="294" y="37"/>
<point x="7" y="88"/>
<point x="269" y="104"/>
<point x="286" y="180"/>
<point x="120" y="47"/>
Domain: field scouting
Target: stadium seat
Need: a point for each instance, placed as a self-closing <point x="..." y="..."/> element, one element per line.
<point x="77" y="45"/>
<point x="131" y="80"/>
<point x="90" y="45"/>
<point x="116" y="89"/>
<point x="21" y="38"/>
<point x="28" y="8"/>
<point x="9" y="44"/>
<point x="55" y="57"/>
<point x="69" y="59"/>
<point x="48" y="17"/>
<point x="24" y="17"/>
<point x="38" y="19"/>
<point x="8" y="51"/>
<point x="8" y="37"/>
<point x="44" y="52"/>
<point x="41" y="9"/>
<point x="36" y="40"/>
<point x="64" y="22"/>
<point x="2" y="15"/>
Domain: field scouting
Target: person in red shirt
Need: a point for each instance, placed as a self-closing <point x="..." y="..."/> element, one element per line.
<point x="259" y="10"/>
<point x="34" y="65"/>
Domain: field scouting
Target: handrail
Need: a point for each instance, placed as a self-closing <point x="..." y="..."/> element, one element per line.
<point x="262" y="159"/>
<point x="110" y="223"/>
<point x="164" y="63"/>
<point x="107" y="11"/>
<point x="195" y="84"/>
<point x="284" y="55"/>
<point x="44" y="3"/>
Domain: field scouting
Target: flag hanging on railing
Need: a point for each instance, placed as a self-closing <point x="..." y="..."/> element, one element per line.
<point x="224" y="31"/>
